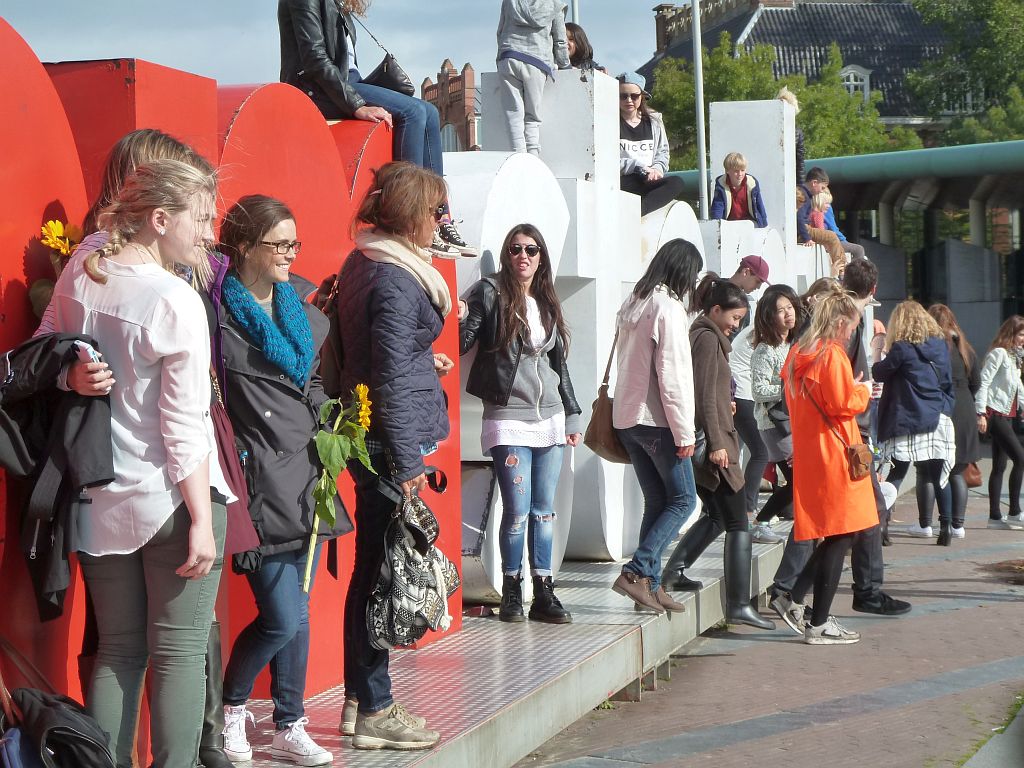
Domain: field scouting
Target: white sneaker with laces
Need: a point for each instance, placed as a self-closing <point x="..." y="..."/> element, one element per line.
<point x="959" y="533"/>
<point x="916" y="531"/>
<point x="763" y="534"/>
<point x="1015" y="521"/>
<point x="830" y="633"/>
<point x="236" y="745"/>
<point x="295" y="745"/>
<point x="790" y="612"/>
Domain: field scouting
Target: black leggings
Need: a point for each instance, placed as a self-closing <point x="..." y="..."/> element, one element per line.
<point x="1005" y="445"/>
<point x="929" y="474"/>
<point x="823" y="571"/>
<point x="725" y="506"/>
<point x="781" y="497"/>
<point x="958" y="495"/>
<point x="653" y="195"/>
<point x="898" y="473"/>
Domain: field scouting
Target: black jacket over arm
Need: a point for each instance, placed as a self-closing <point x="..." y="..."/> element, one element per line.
<point x="313" y="53"/>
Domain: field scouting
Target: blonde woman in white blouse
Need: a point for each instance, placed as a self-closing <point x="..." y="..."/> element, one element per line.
<point x="150" y="543"/>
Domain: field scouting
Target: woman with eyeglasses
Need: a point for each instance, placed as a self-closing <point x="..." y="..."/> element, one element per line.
<point x="643" y="147"/>
<point x="530" y="411"/>
<point x="271" y="339"/>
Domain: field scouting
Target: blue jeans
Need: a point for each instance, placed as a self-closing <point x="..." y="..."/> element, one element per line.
<point x="366" y="668"/>
<point x="278" y="636"/>
<point x="417" y="124"/>
<point x="528" y="478"/>
<point x="670" y="495"/>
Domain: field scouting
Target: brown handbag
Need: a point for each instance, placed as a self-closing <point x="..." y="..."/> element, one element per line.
<point x="972" y="475"/>
<point x="859" y="458"/>
<point x="240" y="534"/>
<point x="601" y="437"/>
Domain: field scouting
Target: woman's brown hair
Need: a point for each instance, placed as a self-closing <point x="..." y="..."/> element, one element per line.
<point x="1011" y="326"/>
<point x="766" y="324"/>
<point x="512" y="321"/>
<point x="401" y="197"/>
<point x="247" y="222"/>
<point x="944" y="316"/>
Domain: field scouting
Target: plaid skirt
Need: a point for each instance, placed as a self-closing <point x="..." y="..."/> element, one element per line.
<point x="926" y="446"/>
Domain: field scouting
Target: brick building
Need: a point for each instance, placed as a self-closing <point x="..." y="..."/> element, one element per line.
<point x="454" y="94"/>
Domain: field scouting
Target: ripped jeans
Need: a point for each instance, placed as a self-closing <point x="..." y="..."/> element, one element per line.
<point x="527" y="478"/>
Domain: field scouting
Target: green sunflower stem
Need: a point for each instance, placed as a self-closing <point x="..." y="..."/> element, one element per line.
<point x="309" y="555"/>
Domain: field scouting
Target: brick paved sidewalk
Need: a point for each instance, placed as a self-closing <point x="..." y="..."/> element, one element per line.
<point x="920" y="690"/>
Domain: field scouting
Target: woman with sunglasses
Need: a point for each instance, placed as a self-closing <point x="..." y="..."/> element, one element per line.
<point x="643" y="148"/>
<point x="271" y="338"/>
<point x="530" y="411"/>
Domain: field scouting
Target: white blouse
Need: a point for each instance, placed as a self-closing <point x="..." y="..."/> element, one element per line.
<point x="151" y="328"/>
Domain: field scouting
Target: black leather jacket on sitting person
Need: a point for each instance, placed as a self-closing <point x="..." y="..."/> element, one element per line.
<point x="314" y="52"/>
<point x="494" y="370"/>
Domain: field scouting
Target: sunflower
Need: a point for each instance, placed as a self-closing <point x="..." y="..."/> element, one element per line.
<point x="362" y="398"/>
<point x="60" y="238"/>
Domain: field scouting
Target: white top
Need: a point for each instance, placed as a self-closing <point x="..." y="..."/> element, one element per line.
<point x="655" y="374"/>
<point x="152" y="330"/>
<point x="529" y="434"/>
<point x="1000" y="383"/>
<point x="739" y="362"/>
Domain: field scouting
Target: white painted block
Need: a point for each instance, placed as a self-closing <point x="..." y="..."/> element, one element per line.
<point x="580" y="129"/>
<point x="676" y="220"/>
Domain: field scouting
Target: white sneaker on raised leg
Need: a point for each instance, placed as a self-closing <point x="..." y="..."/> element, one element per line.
<point x="296" y="746"/>
<point x="236" y="745"/>
<point x="790" y="612"/>
<point x="762" y="533"/>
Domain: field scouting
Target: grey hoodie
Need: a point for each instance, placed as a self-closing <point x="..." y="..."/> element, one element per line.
<point x="536" y="28"/>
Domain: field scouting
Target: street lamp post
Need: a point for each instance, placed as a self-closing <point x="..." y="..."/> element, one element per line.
<point x="698" y="97"/>
<point x="575" y="6"/>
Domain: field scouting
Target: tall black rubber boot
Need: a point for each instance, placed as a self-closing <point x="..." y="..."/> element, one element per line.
<point x="211" y="743"/>
<point x="737" y="582"/>
<point x="689" y="548"/>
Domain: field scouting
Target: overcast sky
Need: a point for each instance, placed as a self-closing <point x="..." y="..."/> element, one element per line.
<point x="235" y="41"/>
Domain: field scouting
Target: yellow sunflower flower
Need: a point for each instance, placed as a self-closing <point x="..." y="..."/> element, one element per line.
<point x="60" y="238"/>
<point x="362" y="398"/>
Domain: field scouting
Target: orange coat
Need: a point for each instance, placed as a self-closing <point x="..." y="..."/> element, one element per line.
<point x="826" y="502"/>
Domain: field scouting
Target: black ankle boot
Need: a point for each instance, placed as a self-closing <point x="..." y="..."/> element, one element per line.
<point x="211" y="743"/>
<point x="511" y="599"/>
<point x="945" y="535"/>
<point x="547" y="607"/>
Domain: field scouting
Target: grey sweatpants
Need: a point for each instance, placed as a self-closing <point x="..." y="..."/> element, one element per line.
<point x="148" y="616"/>
<point x="522" y="91"/>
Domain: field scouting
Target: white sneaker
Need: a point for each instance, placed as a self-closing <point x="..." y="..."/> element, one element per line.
<point x="236" y="745"/>
<point x="295" y="745"/>
<point x="830" y="633"/>
<point x="1000" y="525"/>
<point x="959" y="533"/>
<point x="1015" y="521"/>
<point x="790" y="612"/>
<point x="762" y="533"/>
<point x="917" y="532"/>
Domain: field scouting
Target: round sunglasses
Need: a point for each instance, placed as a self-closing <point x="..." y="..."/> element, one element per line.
<point x="516" y="248"/>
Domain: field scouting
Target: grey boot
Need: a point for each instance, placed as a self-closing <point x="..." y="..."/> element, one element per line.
<point x="737" y="582"/>
<point x="689" y="548"/>
<point x="211" y="743"/>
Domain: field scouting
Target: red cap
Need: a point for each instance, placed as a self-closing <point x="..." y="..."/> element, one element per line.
<point x="757" y="266"/>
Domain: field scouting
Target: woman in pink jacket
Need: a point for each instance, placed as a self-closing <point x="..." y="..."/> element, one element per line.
<point x="653" y="412"/>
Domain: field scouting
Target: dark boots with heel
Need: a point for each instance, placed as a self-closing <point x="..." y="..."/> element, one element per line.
<point x="211" y="743"/>
<point x="546" y="607"/>
<point x="511" y="598"/>
<point x="689" y="548"/>
<point x="737" y="582"/>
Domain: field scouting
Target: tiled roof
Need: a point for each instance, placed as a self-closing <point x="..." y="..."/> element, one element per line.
<point x="887" y="38"/>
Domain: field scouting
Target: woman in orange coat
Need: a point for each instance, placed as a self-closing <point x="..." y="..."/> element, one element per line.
<point x="822" y="394"/>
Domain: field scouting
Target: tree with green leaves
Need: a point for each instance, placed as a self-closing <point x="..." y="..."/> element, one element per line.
<point x="982" y="56"/>
<point x="834" y="121"/>
<point x="1001" y="122"/>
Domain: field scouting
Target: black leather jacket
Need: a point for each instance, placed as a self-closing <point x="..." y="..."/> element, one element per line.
<point x="494" y="370"/>
<point x="313" y="53"/>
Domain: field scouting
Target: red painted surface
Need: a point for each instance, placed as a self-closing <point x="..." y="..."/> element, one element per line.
<point x="267" y="139"/>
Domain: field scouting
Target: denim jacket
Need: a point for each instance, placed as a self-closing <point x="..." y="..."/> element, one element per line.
<point x="1000" y="383"/>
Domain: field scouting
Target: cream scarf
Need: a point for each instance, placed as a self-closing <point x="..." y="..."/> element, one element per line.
<point x="392" y="249"/>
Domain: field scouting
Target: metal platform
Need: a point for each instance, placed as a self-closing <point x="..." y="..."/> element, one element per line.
<point x="497" y="691"/>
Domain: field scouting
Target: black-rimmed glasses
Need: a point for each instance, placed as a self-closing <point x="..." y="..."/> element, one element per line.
<point x="282" y="247"/>
<point x="531" y="250"/>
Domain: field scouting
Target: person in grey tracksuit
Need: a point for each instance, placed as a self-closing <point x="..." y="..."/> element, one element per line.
<point x="531" y="45"/>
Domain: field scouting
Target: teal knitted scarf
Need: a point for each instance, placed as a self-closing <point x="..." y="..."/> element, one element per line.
<point x="287" y="341"/>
